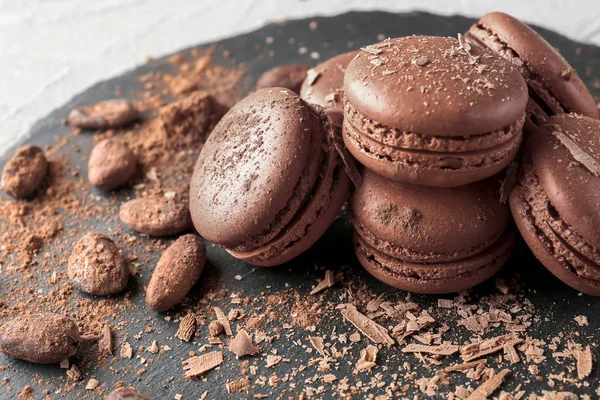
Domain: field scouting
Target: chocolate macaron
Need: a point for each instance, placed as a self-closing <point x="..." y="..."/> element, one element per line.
<point x="289" y="76"/>
<point x="324" y="83"/>
<point x="556" y="201"/>
<point x="433" y="111"/>
<point x="268" y="182"/>
<point x="554" y="87"/>
<point x="430" y="240"/>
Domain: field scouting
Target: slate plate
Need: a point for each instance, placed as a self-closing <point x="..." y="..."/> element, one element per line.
<point x="556" y="304"/>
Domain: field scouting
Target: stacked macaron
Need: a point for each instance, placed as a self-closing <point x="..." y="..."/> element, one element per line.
<point x="433" y="122"/>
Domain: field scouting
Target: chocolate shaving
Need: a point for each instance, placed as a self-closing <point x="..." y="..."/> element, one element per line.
<point x="106" y="341"/>
<point x="214" y="340"/>
<point x="198" y="365"/>
<point x="327" y="282"/>
<point x="126" y="350"/>
<point x="509" y="181"/>
<point x="154" y="347"/>
<point x="465" y="366"/>
<point x="368" y="356"/>
<point x="476" y="350"/>
<point x="235" y="314"/>
<point x="223" y="321"/>
<point x="511" y="353"/>
<point x="445" y="303"/>
<point x="92" y="384"/>
<point x="463" y="43"/>
<point x="273" y="360"/>
<point x="584" y="361"/>
<point x="187" y="328"/>
<point x="317" y="343"/>
<point x="371" y="50"/>
<point x="242" y="345"/>
<point x="239" y="385"/>
<point x="368" y="327"/>
<point x="442" y="350"/>
<point x="349" y="165"/>
<point x="489" y="386"/>
<point x="578" y="154"/>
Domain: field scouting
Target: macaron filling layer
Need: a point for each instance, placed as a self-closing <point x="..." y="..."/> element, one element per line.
<point x="408" y="140"/>
<point x="539" y="93"/>
<point x="440" y="277"/>
<point x="508" y="141"/>
<point x="412" y="256"/>
<point x="320" y="208"/>
<point x="566" y="246"/>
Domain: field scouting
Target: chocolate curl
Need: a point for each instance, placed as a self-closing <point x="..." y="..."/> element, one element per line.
<point x="335" y="119"/>
<point x="509" y="181"/>
<point x="349" y="165"/>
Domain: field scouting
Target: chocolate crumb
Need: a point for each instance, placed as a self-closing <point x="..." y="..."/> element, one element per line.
<point x="239" y="385"/>
<point x="242" y="345"/>
<point x="368" y="356"/>
<point x="74" y="373"/>
<point x="126" y="350"/>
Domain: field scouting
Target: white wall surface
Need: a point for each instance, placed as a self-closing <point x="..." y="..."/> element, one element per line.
<point x="51" y="50"/>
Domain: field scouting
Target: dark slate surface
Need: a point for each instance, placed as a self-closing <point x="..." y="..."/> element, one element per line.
<point x="555" y="303"/>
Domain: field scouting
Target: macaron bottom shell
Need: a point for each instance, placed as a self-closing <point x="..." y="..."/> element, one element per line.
<point x="433" y="168"/>
<point x="435" y="278"/>
<point x="557" y="246"/>
<point x="312" y="220"/>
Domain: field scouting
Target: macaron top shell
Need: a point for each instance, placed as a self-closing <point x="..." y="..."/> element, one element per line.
<point x="427" y="219"/>
<point x="435" y="86"/>
<point x="565" y="155"/>
<point x="543" y="62"/>
<point x="252" y="165"/>
<point x="323" y="84"/>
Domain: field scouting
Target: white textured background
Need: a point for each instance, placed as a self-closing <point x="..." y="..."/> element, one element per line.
<point x="52" y="49"/>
